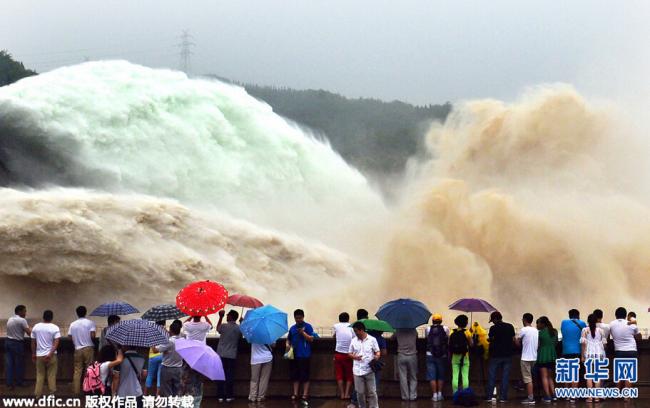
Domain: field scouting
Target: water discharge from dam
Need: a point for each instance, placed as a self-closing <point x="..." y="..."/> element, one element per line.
<point x="539" y="205"/>
<point x="126" y="182"/>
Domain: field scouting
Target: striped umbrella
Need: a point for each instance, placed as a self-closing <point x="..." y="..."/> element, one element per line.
<point x="114" y="308"/>
<point x="163" y="312"/>
<point x="137" y="333"/>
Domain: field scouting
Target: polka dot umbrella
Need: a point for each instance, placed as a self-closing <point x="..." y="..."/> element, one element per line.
<point x="202" y="298"/>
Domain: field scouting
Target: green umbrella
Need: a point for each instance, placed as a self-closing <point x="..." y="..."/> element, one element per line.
<point x="377" y="325"/>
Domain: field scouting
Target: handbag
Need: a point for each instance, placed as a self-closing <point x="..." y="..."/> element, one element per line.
<point x="376" y="365"/>
<point x="289" y="354"/>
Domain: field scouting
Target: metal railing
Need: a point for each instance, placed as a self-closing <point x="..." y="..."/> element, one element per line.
<point x="322" y="331"/>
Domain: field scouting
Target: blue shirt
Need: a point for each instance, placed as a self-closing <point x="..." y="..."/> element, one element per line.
<point x="381" y="341"/>
<point x="571" y="335"/>
<point x="301" y="347"/>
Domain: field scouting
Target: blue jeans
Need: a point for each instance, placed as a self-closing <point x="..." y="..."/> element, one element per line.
<point x="14" y="362"/>
<point x="153" y="371"/>
<point x="495" y="362"/>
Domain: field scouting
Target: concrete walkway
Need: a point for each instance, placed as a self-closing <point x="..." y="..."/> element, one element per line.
<point x="392" y="403"/>
<point x="212" y="402"/>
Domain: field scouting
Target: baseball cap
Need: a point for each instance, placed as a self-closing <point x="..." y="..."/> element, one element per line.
<point x="436" y="317"/>
<point x="495" y="316"/>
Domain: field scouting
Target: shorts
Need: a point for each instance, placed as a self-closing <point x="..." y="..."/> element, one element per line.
<point x="436" y="367"/>
<point x="527" y="371"/>
<point x="299" y="369"/>
<point x="550" y="366"/>
<point x="626" y="354"/>
<point x="571" y="356"/>
<point x="343" y="367"/>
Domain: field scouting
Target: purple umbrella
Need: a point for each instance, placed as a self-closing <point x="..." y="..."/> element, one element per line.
<point x="472" y="305"/>
<point x="201" y="358"/>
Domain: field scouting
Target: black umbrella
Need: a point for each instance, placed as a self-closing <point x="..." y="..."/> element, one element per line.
<point x="163" y="312"/>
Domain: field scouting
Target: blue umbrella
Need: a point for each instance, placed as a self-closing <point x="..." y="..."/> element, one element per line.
<point x="114" y="308"/>
<point x="264" y="325"/>
<point x="137" y="333"/>
<point x="404" y="313"/>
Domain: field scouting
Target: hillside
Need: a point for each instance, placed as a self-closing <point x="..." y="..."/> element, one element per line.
<point x="373" y="135"/>
<point x="12" y="70"/>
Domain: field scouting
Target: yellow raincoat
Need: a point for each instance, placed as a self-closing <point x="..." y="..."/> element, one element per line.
<point x="482" y="338"/>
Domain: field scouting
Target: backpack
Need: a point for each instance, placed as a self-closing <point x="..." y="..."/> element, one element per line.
<point x="93" y="383"/>
<point x="437" y="341"/>
<point x="465" y="397"/>
<point x="458" y="343"/>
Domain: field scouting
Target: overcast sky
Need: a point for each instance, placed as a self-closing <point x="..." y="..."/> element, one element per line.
<point x="419" y="51"/>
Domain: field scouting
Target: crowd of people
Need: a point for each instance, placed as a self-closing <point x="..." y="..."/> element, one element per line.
<point x="359" y="355"/>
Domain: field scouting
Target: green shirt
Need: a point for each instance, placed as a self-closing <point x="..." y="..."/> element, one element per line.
<point x="546" y="352"/>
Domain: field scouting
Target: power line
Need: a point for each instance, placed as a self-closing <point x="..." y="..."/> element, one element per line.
<point x="167" y="53"/>
<point x="185" y="54"/>
<point x="95" y="56"/>
<point x="116" y="46"/>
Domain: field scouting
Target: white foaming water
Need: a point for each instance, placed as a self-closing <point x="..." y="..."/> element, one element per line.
<point x="121" y="127"/>
<point x="124" y="139"/>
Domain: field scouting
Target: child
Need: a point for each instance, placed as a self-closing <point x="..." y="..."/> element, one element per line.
<point x="108" y="359"/>
<point x="631" y="318"/>
<point x="460" y="342"/>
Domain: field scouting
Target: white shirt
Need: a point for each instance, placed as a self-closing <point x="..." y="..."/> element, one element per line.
<point x="426" y="335"/>
<point x="623" y="335"/>
<point x="104" y="371"/>
<point x="366" y="348"/>
<point x="80" y="331"/>
<point x="344" y="335"/>
<point x="45" y="333"/>
<point x="196" y="330"/>
<point x="529" y="337"/>
<point x="16" y="326"/>
<point x="605" y="328"/>
<point x="170" y="357"/>
<point x="594" y="345"/>
<point x="260" y="354"/>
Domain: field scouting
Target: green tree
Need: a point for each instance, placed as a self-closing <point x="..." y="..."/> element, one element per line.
<point x="373" y="135"/>
<point x="12" y="70"/>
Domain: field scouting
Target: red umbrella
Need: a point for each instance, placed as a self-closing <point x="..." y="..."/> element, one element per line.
<point x="201" y="298"/>
<point x="244" y="301"/>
